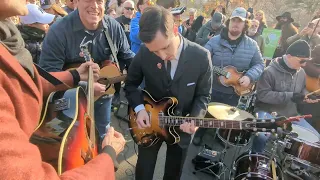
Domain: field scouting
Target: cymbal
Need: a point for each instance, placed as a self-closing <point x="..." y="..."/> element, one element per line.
<point x="227" y="112"/>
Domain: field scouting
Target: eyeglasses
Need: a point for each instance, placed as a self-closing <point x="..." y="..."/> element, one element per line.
<point x="129" y="8"/>
<point x="303" y="61"/>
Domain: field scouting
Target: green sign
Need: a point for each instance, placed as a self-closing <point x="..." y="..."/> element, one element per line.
<point x="271" y="39"/>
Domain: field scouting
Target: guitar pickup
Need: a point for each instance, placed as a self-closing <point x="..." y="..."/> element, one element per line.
<point x="61" y="104"/>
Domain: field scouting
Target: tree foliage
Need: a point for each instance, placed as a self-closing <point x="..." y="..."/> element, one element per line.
<point x="310" y="6"/>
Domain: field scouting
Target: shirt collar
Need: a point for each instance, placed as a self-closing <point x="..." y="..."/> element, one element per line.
<point x="179" y="48"/>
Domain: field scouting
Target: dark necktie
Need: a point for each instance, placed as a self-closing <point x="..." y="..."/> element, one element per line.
<point x="169" y="69"/>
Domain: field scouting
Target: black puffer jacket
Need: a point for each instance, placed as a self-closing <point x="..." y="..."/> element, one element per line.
<point x="33" y="38"/>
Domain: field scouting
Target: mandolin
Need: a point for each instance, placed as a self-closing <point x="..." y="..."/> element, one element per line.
<point x="312" y="83"/>
<point x="229" y="76"/>
<point x="66" y="134"/>
<point x="164" y="125"/>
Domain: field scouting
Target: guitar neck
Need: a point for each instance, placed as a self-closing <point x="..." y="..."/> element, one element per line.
<point x="117" y="79"/>
<point x="90" y="94"/>
<point x="202" y="122"/>
<point x="219" y="71"/>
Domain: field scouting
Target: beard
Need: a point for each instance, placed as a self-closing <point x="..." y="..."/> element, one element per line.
<point x="235" y="33"/>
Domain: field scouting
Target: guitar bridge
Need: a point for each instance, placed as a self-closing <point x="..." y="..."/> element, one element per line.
<point x="61" y="104"/>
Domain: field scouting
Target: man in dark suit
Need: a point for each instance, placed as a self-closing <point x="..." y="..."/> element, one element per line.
<point x="171" y="66"/>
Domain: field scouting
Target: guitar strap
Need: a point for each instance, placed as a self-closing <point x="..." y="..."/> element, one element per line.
<point x="53" y="80"/>
<point x="111" y="45"/>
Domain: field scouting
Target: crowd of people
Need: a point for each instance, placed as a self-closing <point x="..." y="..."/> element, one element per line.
<point x="162" y="54"/>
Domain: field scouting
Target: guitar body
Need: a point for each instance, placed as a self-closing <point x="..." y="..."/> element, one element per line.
<point x="149" y="136"/>
<point x="233" y="81"/>
<point x="106" y="73"/>
<point x="63" y="132"/>
<point x="312" y="84"/>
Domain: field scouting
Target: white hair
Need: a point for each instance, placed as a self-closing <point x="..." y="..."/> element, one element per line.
<point x="129" y="1"/>
<point x="192" y="10"/>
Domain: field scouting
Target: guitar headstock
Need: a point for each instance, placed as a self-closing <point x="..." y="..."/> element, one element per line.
<point x="271" y="124"/>
<point x="85" y="50"/>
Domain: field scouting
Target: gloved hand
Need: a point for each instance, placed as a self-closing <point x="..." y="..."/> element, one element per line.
<point x="297" y="97"/>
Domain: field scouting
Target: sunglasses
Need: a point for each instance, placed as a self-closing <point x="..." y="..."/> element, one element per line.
<point x="303" y="61"/>
<point x="129" y="8"/>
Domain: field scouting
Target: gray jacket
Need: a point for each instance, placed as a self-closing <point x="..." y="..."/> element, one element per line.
<point x="204" y="31"/>
<point x="275" y="89"/>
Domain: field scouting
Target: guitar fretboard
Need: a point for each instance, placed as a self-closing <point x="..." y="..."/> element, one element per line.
<point x="201" y="122"/>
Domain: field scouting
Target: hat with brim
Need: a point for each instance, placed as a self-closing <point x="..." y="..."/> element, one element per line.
<point x="36" y="15"/>
<point x="217" y="19"/>
<point x="287" y="15"/>
<point x="240" y="13"/>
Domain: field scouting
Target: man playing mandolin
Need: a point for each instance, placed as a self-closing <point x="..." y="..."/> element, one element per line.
<point x="22" y="90"/>
<point x="172" y="67"/>
<point x="233" y="48"/>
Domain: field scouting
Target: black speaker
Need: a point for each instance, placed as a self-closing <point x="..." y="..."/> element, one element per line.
<point x="122" y="111"/>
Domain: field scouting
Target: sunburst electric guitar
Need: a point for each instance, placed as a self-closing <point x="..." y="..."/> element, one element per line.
<point x="66" y="135"/>
<point x="164" y="125"/>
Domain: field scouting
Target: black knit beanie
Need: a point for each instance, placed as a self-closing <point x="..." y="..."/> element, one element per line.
<point x="300" y="49"/>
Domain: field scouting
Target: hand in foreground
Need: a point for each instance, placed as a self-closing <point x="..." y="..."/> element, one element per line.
<point x="143" y="120"/>
<point x="115" y="140"/>
<point x="83" y="70"/>
<point x="188" y="127"/>
<point x="244" y="81"/>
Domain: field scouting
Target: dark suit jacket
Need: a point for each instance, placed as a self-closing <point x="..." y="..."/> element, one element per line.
<point x="191" y="84"/>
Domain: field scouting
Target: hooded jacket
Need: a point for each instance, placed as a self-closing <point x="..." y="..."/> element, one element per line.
<point x="204" y="31"/>
<point x="275" y="89"/>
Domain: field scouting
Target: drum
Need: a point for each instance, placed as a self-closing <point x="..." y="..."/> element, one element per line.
<point x="255" y="167"/>
<point x="223" y="111"/>
<point x="305" y="147"/>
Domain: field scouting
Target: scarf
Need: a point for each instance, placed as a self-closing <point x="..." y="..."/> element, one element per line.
<point x="11" y="39"/>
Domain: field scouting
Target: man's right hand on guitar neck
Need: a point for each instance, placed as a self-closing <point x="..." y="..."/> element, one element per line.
<point x="143" y="119"/>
